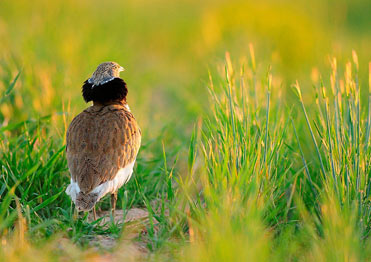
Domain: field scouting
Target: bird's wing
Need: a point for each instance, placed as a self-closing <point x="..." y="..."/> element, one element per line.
<point x="100" y="141"/>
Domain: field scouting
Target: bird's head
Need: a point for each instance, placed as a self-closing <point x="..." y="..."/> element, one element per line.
<point x="105" y="72"/>
<point x="105" y="85"/>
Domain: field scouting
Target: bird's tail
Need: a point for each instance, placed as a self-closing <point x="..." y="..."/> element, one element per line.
<point x="85" y="202"/>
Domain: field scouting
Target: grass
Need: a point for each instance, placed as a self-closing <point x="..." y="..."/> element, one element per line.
<point x="261" y="204"/>
<point x="264" y="181"/>
<point x="255" y="159"/>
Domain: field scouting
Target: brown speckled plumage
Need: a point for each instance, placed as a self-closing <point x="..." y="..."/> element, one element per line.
<point x="100" y="141"/>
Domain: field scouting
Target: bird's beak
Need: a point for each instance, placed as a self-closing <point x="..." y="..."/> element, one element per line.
<point x="121" y="69"/>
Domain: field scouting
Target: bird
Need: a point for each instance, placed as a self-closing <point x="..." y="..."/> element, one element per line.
<point x="103" y="141"/>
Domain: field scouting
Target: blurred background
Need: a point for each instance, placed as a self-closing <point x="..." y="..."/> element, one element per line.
<point x="167" y="48"/>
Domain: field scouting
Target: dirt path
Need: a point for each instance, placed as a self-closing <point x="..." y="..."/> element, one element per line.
<point x="135" y="221"/>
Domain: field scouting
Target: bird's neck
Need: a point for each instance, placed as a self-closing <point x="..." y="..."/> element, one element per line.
<point x="121" y="103"/>
<point x="112" y="92"/>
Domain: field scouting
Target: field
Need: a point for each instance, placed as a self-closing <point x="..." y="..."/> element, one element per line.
<point x="255" y="115"/>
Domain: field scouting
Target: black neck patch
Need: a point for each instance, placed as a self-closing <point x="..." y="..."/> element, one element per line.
<point x="112" y="91"/>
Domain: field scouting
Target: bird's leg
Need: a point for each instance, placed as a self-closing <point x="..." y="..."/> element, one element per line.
<point x="113" y="202"/>
<point x="94" y="213"/>
<point x="75" y="214"/>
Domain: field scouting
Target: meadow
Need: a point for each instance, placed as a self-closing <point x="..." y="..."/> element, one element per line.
<point x="256" y="120"/>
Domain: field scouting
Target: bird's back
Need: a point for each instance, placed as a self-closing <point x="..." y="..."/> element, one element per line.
<point x="100" y="141"/>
